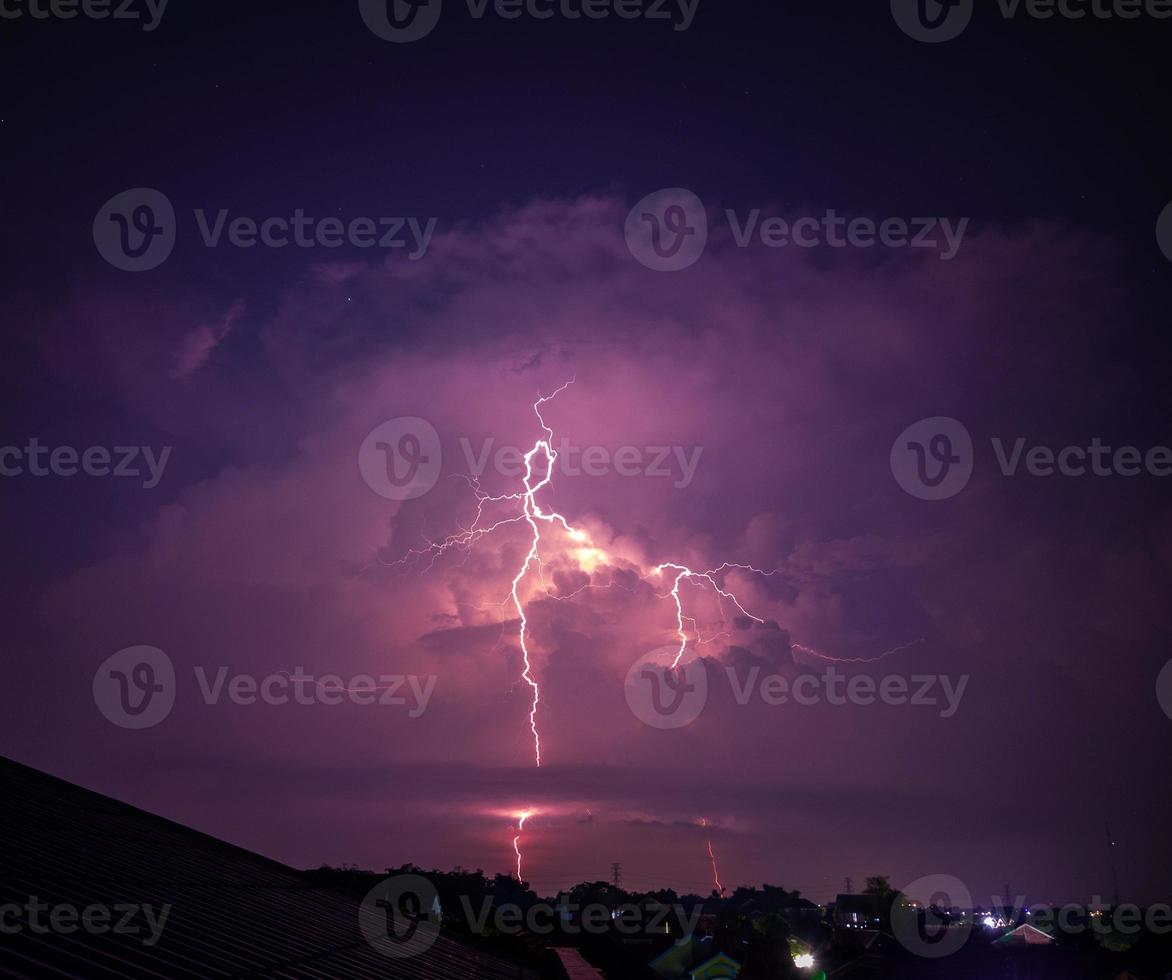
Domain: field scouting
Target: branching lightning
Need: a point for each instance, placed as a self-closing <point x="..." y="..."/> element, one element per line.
<point x="682" y="573"/>
<point x="539" y="463"/>
<point x="539" y="475"/>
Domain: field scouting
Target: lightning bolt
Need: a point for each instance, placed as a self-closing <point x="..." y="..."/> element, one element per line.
<point x="712" y="858"/>
<point x="517" y="841"/>
<point x="810" y="651"/>
<point x="684" y="573"/>
<point x="540" y="462"/>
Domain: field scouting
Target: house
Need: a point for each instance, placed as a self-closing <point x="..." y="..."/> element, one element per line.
<point x="853" y="912"/>
<point x="675" y="962"/>
<point x="1025" y="935"/>
<point x="695" y="959"/>
<point x="718" y="967"/>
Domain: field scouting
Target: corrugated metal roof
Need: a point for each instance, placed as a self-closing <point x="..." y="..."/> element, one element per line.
<point x="575" y="967"/>
<point x="233" y="913"/>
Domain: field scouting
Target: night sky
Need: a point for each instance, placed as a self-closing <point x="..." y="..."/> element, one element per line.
<point x="523" y="146"/>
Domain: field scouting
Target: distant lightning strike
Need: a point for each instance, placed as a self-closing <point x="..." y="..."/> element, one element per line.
<point x="810" y="651"/>
<point x="517" y="841"/>
<point x="712" y="858"/>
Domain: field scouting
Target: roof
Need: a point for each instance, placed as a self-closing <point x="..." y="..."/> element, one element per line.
<point x="1026" y="933"/>
<point x="233" y="913"/>
<point x="720" y="965"/>
<point x="575" y="967"/>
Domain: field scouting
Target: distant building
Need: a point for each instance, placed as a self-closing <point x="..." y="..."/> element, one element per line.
<point x="1025" y="935"/>
<point x="675" y="962"/>
<point x="720" y="967"/>
<point x="853" y="912"/>
<point x="695" y="959"/>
